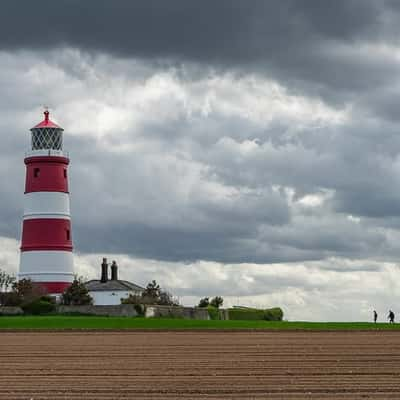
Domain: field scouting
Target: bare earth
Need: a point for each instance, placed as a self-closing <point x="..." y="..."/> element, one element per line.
<point x="200" y="365"/>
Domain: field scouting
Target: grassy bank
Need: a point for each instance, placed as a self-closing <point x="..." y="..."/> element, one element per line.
<point x="88" y="322"/>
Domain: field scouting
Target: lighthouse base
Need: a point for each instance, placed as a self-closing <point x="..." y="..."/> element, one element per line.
<point x="53" y="270"/>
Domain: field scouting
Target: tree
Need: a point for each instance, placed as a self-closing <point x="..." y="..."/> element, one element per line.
<point x="166" y="299"/>
<point x="23" y="293"/>
<point x="204" y="302"/>
<point x="153" y="294"/>
<point x="76" y="294"/>
<point x="6" y="281"/>
<point x="23" y="288"/>
<point x="2" y="280"/>
<point x="27" y="291"/>
<point x="217" y="301"/>
<point x="8" y="298"/>
<point x="10" y="280"/>
<point x="132" y="299"/>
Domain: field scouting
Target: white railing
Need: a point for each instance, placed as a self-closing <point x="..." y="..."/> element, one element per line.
<point x="47" y="152"/>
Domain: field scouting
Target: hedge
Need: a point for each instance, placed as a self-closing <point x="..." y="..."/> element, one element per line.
<point x="246" y="314"/>
<point x="38" y="307"/>
<point x="274" y="314"/>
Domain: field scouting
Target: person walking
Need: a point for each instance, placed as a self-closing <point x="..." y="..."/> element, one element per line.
<point x="391" y="317"/>
<point x="375" y="316"/>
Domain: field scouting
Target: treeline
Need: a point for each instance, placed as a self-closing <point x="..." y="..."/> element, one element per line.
<point x="33" y="300"/>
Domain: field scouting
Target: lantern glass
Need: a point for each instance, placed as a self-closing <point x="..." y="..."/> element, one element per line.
<point x="47" y="138"/>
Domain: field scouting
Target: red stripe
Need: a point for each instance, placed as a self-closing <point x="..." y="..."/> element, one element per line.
<point x="46" y="234"/>
<point x="46" y="174"/>
<point x="54" y="287"/>
<point x="45" y="248"/>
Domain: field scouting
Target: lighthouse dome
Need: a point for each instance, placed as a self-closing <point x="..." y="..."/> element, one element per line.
<point x="47" y="135"/>
<point x="46" y="123"/>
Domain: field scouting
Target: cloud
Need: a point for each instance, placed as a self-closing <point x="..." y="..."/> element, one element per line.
<point x="149" y="27"/>
<point x="215" y="167"/>
<point x="296" y="41"/>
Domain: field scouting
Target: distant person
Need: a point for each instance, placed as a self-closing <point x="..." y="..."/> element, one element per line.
<point x="375" y="316"/>
<point x="391" y="317"/>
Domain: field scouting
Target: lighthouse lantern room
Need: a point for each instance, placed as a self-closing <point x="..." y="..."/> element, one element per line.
<point x="46" y="245"/>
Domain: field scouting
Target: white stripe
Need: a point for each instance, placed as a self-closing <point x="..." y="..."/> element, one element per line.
<point x="46" y="153"/>
<point x="40" y="204"/>
<point x="46" y="262"/>
<point x="48" y="215"/>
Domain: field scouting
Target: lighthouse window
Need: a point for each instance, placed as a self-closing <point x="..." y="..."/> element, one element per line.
<point x="46" y="138"/>
<point x="36" y="172"/>
<point x="65" y="173"/>
<point x="68" y="234"/>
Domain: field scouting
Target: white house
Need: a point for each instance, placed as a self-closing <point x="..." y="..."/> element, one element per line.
<point x="110" y="291"/>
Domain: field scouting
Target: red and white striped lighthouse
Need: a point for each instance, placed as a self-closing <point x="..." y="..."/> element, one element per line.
<point x="46" y="247"/>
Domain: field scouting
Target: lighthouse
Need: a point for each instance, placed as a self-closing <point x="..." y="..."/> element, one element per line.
<point x="46" y="245"/>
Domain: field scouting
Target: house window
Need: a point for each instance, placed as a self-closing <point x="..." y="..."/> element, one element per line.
<point x="36" y="172"/>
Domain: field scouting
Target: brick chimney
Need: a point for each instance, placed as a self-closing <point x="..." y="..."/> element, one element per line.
<point x="104" y="271"/>
<point x="114" y="271"/>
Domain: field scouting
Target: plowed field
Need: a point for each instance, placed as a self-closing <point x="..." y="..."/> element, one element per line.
<point x="200" y="365"/>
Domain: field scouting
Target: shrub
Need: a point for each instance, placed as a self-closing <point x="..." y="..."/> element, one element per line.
<point x="139" y="308"/>
<point x="11" y="299"/>
<point x="132" y="299"/>
<point x="38" y="306"/>
<point x="213" y="312"/>
<point x="272" y="314"/>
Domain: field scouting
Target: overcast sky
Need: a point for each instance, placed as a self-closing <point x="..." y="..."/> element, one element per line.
<point x="248" y="149"/>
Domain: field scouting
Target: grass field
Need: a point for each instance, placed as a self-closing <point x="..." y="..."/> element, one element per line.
<point x="90" y="322"/>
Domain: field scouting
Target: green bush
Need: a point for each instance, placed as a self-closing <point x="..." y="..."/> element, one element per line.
<point x="246" y="314"/>
<point x="139" y="308"/>
<point x="38" y="306"/>
<point x="274" y="314"/>
<point x="213" y="312"/>
<point x="250" y="314"/>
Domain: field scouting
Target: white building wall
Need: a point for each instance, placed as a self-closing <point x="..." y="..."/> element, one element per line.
<point x="110" y="298"/>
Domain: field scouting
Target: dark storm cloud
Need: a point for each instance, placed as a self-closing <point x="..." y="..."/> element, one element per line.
<point x="291" y="39"/>
<point x="233" y="30"/>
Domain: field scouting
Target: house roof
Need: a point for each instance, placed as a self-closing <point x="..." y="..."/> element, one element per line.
<point x="98" y="286"/>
